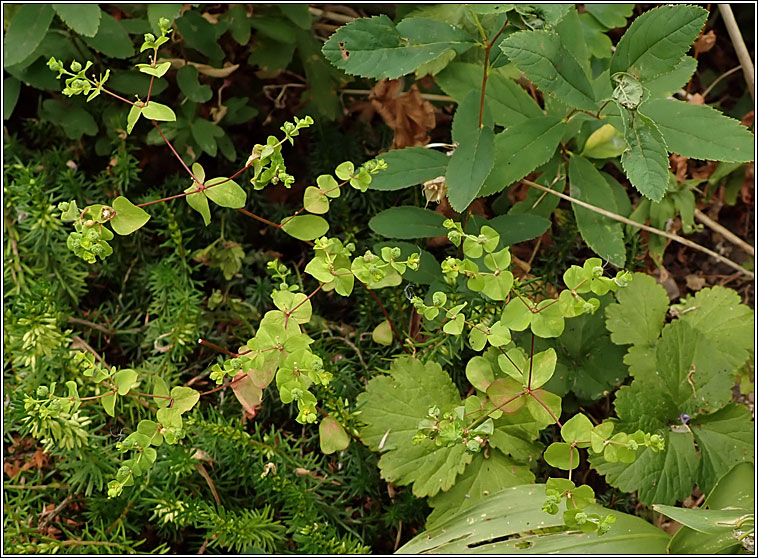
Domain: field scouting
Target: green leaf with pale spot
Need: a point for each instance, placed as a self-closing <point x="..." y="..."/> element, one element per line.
<point x="128" y="217"/>
<point x="374" y="47"/>
<point x="604" y="235"/>
<point x="544" y="59"/>
<point x="700" y="132"/>
<point x="657" y="40"/>
<point x="646" y="162"/>
<point x="225" y="192"/>
<point x="392" y="407"/>
<point x="482" y="479"/>
<point x="305" y="227"/>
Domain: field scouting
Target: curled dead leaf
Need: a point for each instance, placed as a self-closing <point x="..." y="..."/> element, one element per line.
<point x="409" y="116"/>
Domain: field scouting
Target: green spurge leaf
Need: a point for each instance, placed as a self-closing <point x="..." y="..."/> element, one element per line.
<point x="225" y="192"/>
<point x="511" y="522"/>
<point x="646" y="162"/>
<point x="374" y="47"/>
<point x="305" y="227"/>
<point x="199" y="202"/>
<point x="124" y="380"/>
<point x="509" y="104"/>
<point x="84" y="19"/>
<point x="332" y="437"/>
<point x="158" y="71"/>
<point x="128" y="216"/>
<point x="408" y="167"/>
<point x="157" y="111"/>
<point x="700" y="132"/>
<point x="473" y="158"/>
<point x="392" y="407"/>
<point x="522" y="148"/>
<point x="408" y="222"/>
<point x="482" y="479"/>
<point x="543" y="58"/>
<point x="25" y="32"/>
<point x="184" y="398"/>
<point x="604" y="235"/>
<point x="657" y="40"/>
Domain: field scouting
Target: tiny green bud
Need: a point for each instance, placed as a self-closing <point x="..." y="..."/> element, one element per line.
<point x="75" y="66"/>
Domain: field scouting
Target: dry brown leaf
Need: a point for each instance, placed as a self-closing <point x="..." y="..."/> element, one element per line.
<point x="409" y="116"/>
<point x="705" y="42"/>
<point x="679" y="163"/>
<point x="695" y="282"/>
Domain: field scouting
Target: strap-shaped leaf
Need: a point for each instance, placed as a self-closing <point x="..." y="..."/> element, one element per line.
<point x="408" y="167"/>
<point x="522" y="148"/>
<point x="604" y="235"/>
<point x="508" y="102"/>
<point x="646" y="162"/>
<point x="657" y="40"/>
<point x="128" y="216"/>
<point x="374" y="47"/>
<point x="700" y="132"/>
<point x="474" y="156"/>
<point x="543" y="58"/>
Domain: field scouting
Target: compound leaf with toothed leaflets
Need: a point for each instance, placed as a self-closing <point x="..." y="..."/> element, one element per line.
<point x="392" y="407"/>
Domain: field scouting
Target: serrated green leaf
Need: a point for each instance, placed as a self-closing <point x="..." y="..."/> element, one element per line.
<point x="667" y="83"/>
<point x="332" y="437"/>
<point x="374" y="47"/>
<point x="646" y="162"/>
<point x="604" y="235"/>
<point x="392" y="407"/>
<point x="718" y="313"/>
<point x="509" y="103"/>
<point x="700" y="132"/>
<point x="472" y="160"/>
<point x="305" y="227"/>
<point x="111" y="38"/>
<point x="25" y="32"/>
<point x="610" y="15"/>
<point x="657" y="40"/>
<point x="124" y="380"/>
<point x="522" y="148"/>
<point x="638" y="316"/>
<point x="128" y="217"/>
<point x="409" y="222"/>
<point x="184" y="398"/>
<point x="84" y="19"/>
<point x="408" y="167"/>
<point x="545" y="61"/>
<point x="483" y="478"/>
<point x="225" y="192"/>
